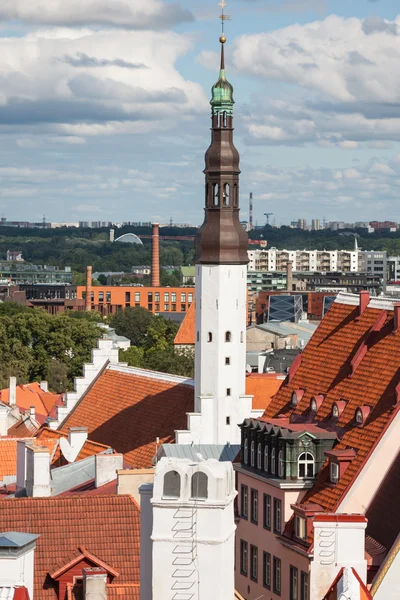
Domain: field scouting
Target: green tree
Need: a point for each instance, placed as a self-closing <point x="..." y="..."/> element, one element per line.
<point x="57" y="376"/>
<point x="133" y="323"/>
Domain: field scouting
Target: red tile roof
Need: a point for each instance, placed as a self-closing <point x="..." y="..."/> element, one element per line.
<point x="128" y="591"/>
<point x="31" y="394"/>
<point x="108" y="527"/>
<point x="89" y="448"/>
<point x="263" y="386"/>
<point x="129" y="408"/>
<point x="325" y="369"/>
<point x="186" y="333"/>
<point x="8" y="454"/>
<point x="23" y="428"/>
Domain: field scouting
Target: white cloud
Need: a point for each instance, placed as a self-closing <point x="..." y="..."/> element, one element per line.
<point x="135" y="14"/>
<point x="86" y="82"/>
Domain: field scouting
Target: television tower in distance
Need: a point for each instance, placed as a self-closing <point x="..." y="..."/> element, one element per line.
<point x="251" y="211"/>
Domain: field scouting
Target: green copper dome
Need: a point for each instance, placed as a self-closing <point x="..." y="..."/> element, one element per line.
<point x="222" y="92"/>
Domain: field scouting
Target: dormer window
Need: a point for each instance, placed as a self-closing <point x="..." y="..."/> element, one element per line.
<point x="252" y="454"/>
<point x="300" y="525"/>
<point x="259" y="456"/>
<point x="246" y="451"/>
<point x="316" y="402"/>
<point x="333" y="472"/>
<point x="361" y="415"/>
<point x="294" y="401"/>
<point x="335" y="411"/>
<point x="313" y="405"/>
<point x="306" y="465"/>
<point x="338" y="408"/>
<point x="266" y="458"/>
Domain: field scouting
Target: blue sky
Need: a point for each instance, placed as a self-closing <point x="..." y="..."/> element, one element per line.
<point x="104" y="107"/>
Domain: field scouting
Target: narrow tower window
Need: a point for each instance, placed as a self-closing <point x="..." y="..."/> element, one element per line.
<point x="225" y="119"/>
<point x="216" y="194"/>
<point x="209" y="336"/>
<point x="199" y="486"/>
<point x="206" y="194"/>
<point x="172" y="485"/>
<point x="226" y="194"/>
<point x="235" y="195"/>
<point x="228" y="336"/>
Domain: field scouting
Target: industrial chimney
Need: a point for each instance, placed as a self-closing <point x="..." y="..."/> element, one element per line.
<point x="289" y="276"/>
<point x="155" y="255"/>
<point x="88" y="299"/>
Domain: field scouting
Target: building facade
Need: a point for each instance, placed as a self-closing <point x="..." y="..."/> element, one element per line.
<point x="304" y="260"/>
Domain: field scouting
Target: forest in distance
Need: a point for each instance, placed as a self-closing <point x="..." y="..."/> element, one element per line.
<point x="80" y="247"/>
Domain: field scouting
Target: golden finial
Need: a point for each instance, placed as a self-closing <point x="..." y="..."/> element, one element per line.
<point x="223" y="18"/>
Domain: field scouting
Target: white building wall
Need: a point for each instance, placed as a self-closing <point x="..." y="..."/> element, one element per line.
<point x="193" y="540"/>
<point x="18" y="570"/>
<point x="220" y="387"/>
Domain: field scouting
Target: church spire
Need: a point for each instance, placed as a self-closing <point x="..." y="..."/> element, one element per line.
<point x="222" y="239"/>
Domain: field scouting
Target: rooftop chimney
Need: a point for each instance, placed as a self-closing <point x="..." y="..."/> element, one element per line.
<point x="289" y="276"/>
<point x="12" y="398"/>
<point x="32" y="412"/>
<point x="94" y="583"/>
<point x="130" y="480"/>
<point x="396" y="317"/>
<point x="364" y="301"/>
<point x="3" y="420"/>
<point x="17" y="561"/>
<point x="88" y="299"/>
<point x="37" y="471"/>
<point x="106" y="467"/>
<point x="155" y="255"/>
<point x="339" y="541"/>
<point x="44" y="386"/>
<point x="77" y="436"/>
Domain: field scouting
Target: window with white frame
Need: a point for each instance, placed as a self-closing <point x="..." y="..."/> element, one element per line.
<point x="246" y="451"/>
<point x="243" y="557"/>
<point x="334" y="472"/>
<point x="253" y="563"/>
<point x="267" y="570"/>
<point x="359" y="416"/>
<point x="294" y="399"/>
<point x="294" y="583"/>
<point x="259" y="456"/>
<point x="273" y="465"/>
<point x="306" y="466"/>
<point x="277" y="515"/>
<point x="244" y="499"/>
<point x="335" y="411"/>
<point x="254" y="506"/>
<point x="281" y="464"/>
<point x="267" y="511"/>
<point x="266" y="458"/>
<point x="304" y="586"/>
<point x="300" y="525"/>
<point x="277" y="575"/>
<point x="313" y="405"/>
<point x="252" y="452"/>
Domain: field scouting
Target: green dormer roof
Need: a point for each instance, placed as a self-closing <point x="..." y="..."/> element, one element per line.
<point x="222" y="92"/>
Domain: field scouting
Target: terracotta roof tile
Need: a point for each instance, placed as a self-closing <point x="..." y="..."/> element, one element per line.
<point x="128" y="591"/>
<point x="31" y="394"/>
<point x="107" y="526"/>
<point x="325" y="369"/>
<point x="186" y="334"/>
<point x="8" y="454"/>
<point x="262" y="386"/>
<point x="129" y="410"/>
<point x="89" y="448"/>
<point x="23" y="428"/>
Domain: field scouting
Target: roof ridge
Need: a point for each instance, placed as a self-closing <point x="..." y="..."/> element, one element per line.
<point x="379" y="302"/>
<point x="151" y="374"/>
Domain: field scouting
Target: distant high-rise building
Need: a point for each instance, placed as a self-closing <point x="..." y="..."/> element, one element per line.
<point x="302" y="224"/>
<point x="315" y="225"/>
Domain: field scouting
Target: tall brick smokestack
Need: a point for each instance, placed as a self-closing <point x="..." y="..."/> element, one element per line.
<point x="289" y="276"/>
<point x="155" y="255"/>
<point x="88" y="299"/>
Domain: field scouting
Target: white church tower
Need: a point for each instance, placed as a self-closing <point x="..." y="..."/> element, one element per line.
<point x="221" y="287"/>
<point x="193" y="531"/>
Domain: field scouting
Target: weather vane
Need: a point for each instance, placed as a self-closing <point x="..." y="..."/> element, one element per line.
<point x="223" y="18"/>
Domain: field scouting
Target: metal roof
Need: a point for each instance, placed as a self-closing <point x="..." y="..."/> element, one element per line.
<point x="304" y="330"/>
<point x="76" y="473"/>
<point x="16" y="539"/>
<point x="223" y="453"/>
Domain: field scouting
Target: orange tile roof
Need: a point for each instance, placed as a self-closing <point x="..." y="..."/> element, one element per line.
<point x="31" y="394"/>
<point x="89" y="448"/>
<point x="186" y="332"/>
<point x="263" y="386"/>
<point x="23" y="428"/>
<point x="108" y="527"/>
<point x="129" y="408"/>
<point x="325" y="368"/>
<point x="8" y="453"/>
<point x="128" y="591"/>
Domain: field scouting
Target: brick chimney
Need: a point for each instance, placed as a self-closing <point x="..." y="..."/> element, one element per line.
<point x="88" y="299"/>
<point x="106" y="467"/>
<point x="289" y="276"/>
<point x="339" y="541"/>
<point x="12" y="398"/>
<point x="94" y="583"/>
<point x="364" y="301"/>
<point x="37" y="472"/>
<point x="155" y="255"/>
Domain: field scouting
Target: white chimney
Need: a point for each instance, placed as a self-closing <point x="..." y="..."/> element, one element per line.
<point x="130" y="480"/>
<point x="37" y="471"/>
<point x="3" y="420"/>
<point x="106" y="467"/>
<point x="44" y="386"/>
<point x="21" y="465"/>
<point x="77" y="436"/>
<point x="339" y="541"/>
<point x="32" y="412"/>
<point x="12" y="398"/>
<point x="94" y="583"/>
<point x="146" y="543"/>
<point x="17" y="560"/>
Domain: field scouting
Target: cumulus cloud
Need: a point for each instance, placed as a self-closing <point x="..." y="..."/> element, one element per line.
<point x="135" y="14"/>
<point x="64" y="77"/>
<point x="348" y="72"/>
